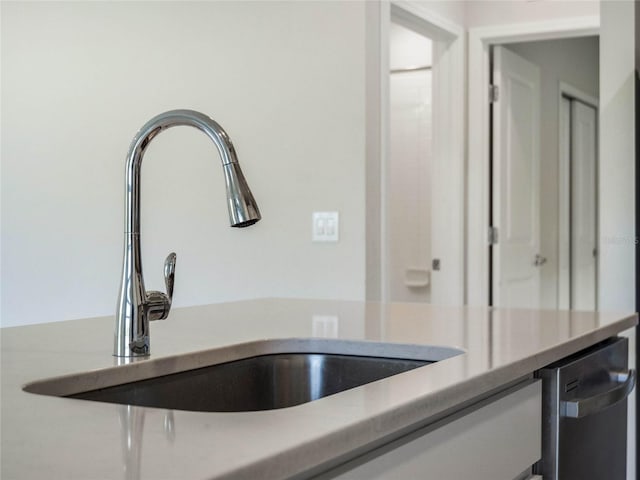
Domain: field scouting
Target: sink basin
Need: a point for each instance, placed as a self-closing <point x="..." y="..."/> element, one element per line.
<point x="265" y="375"/>
<point x="259" y="383"/>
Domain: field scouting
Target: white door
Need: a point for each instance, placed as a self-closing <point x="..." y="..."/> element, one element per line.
<point x="577" y="227"/>
<point x="516" y="258"/>
<point x="564" y="206"/>
<point x="583" y="206"/>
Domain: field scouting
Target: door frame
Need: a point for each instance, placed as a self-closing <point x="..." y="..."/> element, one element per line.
<point x="478" y="187"/>
<point x="449" y="77"/>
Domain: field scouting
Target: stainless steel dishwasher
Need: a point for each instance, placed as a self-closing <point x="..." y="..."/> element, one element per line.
<point x="584" y="431"/>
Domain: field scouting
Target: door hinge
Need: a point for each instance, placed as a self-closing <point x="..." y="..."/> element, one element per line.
<point x="493" y="235"/>
<point x="494" y="93"/>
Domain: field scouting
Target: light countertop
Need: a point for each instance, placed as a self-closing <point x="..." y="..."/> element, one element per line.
<point x="59" y="438"/>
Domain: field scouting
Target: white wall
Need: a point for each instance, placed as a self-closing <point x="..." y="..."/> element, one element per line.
<point x="573" y="61"/>
<point x="499" y="12"/>
<point x="408" y="49"/>
<point x="377" y="15"/>
<point x="617" y="153"/>
<point x="454" y="11"/>
<point x="478" y="13"/>
<point x="616" y="262"/>
<point x="285" y="79"/>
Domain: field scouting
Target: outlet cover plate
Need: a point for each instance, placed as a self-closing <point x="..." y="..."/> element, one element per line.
<point x="326" y="227"/>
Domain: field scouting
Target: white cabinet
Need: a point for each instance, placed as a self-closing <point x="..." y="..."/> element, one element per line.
<point x="496" y="439"/>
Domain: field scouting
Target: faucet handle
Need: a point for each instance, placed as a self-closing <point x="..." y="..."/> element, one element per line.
<point x="169" y="274"/>
<point x="158" y="304"/>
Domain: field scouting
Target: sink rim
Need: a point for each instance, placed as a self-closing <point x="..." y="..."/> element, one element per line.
<point x="149" y="367"/>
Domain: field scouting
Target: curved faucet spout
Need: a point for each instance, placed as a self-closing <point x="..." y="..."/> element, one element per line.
<point x="136" y="306"/>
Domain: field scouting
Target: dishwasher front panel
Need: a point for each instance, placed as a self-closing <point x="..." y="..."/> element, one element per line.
<point x="584" y="433"/>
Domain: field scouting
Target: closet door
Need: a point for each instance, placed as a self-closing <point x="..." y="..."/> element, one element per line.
<point x="584" y="203"/>
<point x="564" y="210"/>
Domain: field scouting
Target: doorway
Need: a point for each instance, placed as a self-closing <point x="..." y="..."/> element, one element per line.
<point x="410" y="157"/>
<point x="543" y="199"/>
<point x="438" y="238"/>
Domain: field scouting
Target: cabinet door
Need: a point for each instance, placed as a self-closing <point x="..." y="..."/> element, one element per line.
<point x="498" y="439"/>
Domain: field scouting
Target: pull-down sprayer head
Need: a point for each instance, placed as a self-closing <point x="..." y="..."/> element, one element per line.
<point x="243" y="210"/>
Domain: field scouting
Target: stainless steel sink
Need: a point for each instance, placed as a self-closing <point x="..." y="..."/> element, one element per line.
<point x="277" y="374"/>
<point x="259" y="383"/>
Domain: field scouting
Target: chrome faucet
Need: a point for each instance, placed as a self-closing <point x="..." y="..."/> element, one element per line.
<point x="136" y="306"/>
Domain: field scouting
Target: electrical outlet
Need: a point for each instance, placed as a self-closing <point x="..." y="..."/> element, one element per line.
<point x="326" y="227"/>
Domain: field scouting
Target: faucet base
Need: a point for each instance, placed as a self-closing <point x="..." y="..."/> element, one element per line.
<point x="139" y="348"/>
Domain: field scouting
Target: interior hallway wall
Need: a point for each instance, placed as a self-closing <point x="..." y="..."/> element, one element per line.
<point x="480" y="13"/>
<point x="616" y="262"/>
